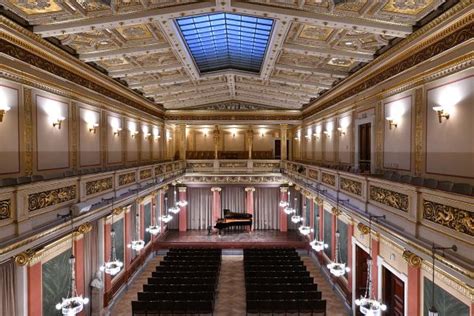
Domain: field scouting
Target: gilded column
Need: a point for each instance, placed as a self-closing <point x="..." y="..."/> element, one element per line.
<point x="182" y="141"/>
<point x="419" y="130"/>
<point x="216" y="204"/>
<point x="216" y="134"/>
<point x="283" y="216"/>
<point x="250" y="142"/>
<point x="183" y="216"/>
<point x="28" y="132"/>
<point x="74" y="136"/>
<point x="290" y="137"/>
<point x="283" y="141"/>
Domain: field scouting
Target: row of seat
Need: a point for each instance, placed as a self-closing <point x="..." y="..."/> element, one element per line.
<point x="276" y="281"/>
<point x="185" y="282"/>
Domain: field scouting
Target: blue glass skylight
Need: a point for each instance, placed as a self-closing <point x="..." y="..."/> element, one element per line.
<point x="224" y="40"/>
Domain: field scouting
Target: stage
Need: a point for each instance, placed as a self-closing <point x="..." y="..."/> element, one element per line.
<point x="233" y="239"/>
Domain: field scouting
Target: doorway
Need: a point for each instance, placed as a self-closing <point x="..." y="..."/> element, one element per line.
<point x="277" y="147"/>
<point x="365" y="152"/>
<point x="360" y="274"/>
<point x="393" y="293"/>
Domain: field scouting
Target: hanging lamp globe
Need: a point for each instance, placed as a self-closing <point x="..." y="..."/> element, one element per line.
<point x="153" y="229"/>
<point x="318" y="245"/>
<point x="283" y="203"/>
<point x="296" y="218"/>
<point x="305" y="230"/>
<point x="166" y="218"/>
<point x="137" y="245"/>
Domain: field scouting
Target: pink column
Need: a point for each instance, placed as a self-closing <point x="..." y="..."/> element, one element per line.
<point x="216" y="203"/>
<point x="183" y="221"/>
<point x="311" y="217"/>
<point x="375" y="268"/>
<point x="141" y="210"/>
<point x="250" y="201"/>
<point x="283" y="216"/>
<point x="321" y="221"/>
<point x="128" y="238"/>
<point x="35" y="282"/>
<point x="162" y="210"/>
<point x="414" y="290"/>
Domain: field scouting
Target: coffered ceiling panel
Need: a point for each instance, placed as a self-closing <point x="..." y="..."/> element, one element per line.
<point x="312" y="44"/>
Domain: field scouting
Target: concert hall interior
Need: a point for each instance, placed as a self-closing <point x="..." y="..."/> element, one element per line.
<point x="236" y="157"/>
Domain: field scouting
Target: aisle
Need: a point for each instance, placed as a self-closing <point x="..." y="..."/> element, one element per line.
<point x="230" y="299"/>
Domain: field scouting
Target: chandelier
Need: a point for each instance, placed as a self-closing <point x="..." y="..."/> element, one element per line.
<point x="73" y="303"/>
<point x="337" y="268"/>
<point x="175" y="208"/>
<point x="316" y="244"/>
<point x="113" y="266"/>
<point x="296" y="218"/>
<point x="137" y="244"/>
<point x="153" y="229"/>
<point x="368" y="305"/>
<point x="288" y="209"/>
<point x="305" y="230"/>
<point x="167" y="217"/>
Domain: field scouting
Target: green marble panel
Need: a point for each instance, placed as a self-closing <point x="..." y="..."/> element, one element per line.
<point x="308" y="212"/>
<point x="316" y="222"/>
<point x="147" y="221"/>
<point x="328" y="233"/>
<point x="56" y="279"/>
<point x="342" y="227"/>
<point x="445" y="303"/>
<point x="119" y="239"/>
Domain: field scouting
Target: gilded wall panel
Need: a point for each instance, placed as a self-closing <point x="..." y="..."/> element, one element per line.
<point x="328" y="179"/>
<point x="451" y="217"/>
<point x="44" y="199"/>
<point x="351" y="186"/>
<point x="98" y="186"/>
<point x="127" y="178"/>
<point x="145" y="174"/>
<point x="390" y="198"/>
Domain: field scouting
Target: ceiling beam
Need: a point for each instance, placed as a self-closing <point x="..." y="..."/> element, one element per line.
<point x="258" y="96"/>
<point x="312" y="71"/>
<point x="143" y="70"/>
<point x="178" y="90"/>
<point x="276" y="89"/>
<point x="127" y="51"/>
<point x="195" y="102"/>
<point x="163" y="82"/>
<point x="279" y="34"/>
<point x="325" y="20"/>
<point x="328" y="52"/>
<point x="301" y="83"/>
<point x="231" y="85"/>
<point x="191" y="95"/>
<point x="116" y="20"/>
<point x="272" y="103"/>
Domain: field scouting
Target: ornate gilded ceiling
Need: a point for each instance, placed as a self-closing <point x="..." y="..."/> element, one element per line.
<point x="314" y="44"/>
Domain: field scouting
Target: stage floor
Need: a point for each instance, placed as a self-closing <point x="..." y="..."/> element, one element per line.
<point x="233" y="240"/>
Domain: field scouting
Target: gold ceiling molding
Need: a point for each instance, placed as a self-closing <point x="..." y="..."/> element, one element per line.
<point x="412" y="259"/>
<point x="427" y="48"/>
<point x="25" y="42"/>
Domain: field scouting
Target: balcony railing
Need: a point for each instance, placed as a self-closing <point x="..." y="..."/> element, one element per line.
<point x="233" y="166"/>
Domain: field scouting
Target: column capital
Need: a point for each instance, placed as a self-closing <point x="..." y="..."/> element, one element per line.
<point x="284" y="189"/>
<point x="25" y="257"/>
<point x="216" y="189"/>
<point x="182" y="189"/>
<point x="363" y="229"/>
<point x="336" y="211"/>
<point x="412" y="259"/>
<point x="249" y="189"/>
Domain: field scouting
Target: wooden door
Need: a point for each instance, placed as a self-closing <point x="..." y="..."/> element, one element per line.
<point x="361" y="274"/>
<point x="393" y="294"/>
<point x="364" y="147"/>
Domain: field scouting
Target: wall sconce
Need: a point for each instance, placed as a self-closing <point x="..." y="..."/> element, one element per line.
<point x="341" y="131"/>
<point x="3" y="110"/>
<point x="93" y="128"/>
<point x="234" y="133"/>
<point x="133" y="133"/>
<point x="117" y="131"/>
<point x="391" y="122"/>
<point x="58" y="122"/>
<point x="205" y="132"/>
<point x="328" y="135"/>
<point x="316" y="135"/>
<point x="148" y="136"/>
<point x="441" y="113"/>
<point x="157" y="137"/>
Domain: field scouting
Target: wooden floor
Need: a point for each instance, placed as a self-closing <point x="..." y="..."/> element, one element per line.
<point x="230" y="299"/>
<point x="233" y="239"/>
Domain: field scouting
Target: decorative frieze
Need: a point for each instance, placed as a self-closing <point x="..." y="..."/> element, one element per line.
<point x="313" y="174"/>
<point x="412" y="259"/>
<point x="127" y="178"/>
<point x="44" y="199"/>
<point x="97" y="186"/>
<point x="234" y="179"/>
<point x="390" y="198"/>
<point x="233" y="164"/>
<point x="200" y="165"/>
<point x="5" y="209"/>
<point x="169" y="168"/>
<point x="145" y="174"/>
<point x="266" y="164"/>
<point x="159" y="170"/>
<point x="448" y="216"/>
<point x="328" y="179"/>
<point x="350" y="186"/>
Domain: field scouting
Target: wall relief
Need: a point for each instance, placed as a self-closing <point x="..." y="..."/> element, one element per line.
<point x="454" y="218"/>
<point x="389" y="198"/>
<point x="44" y="199"/>
<point x="98" y="186"/>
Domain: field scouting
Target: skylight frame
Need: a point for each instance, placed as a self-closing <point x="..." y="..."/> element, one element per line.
<point x="212" y="52"/>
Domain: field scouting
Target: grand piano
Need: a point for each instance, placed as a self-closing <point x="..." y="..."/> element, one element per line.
<point x="233" y="219"/>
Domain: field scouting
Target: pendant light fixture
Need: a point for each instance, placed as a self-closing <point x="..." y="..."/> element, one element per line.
<point x="137" y="244"/>
<point x="182" y="203"/>
<point x="288" y="209"/>
<point x="432" y="310"/>
<point x="153" y="229"/>
<point x="335" y="267"/>
<point x="368" y="304"/>
<point x="73" y="303"/>
<point x="113" y="266"/>
<point x="296" y="218"/>
<point x="283" y="204"/>
<point x="316" y="244"/>
<point x="174" y="209"/>
<point x="167" y="217"/>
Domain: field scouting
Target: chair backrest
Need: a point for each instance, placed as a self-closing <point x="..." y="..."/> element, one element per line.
<point x="418" y="181"/>
<point x="445" y="186"/>
<point x="387" y="174"/>
<point x="463" y="188"/>
<point x="430" y="183"/>
<point x="406" y="179"/>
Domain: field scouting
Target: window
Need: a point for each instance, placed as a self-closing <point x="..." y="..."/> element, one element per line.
<point x="224" y="40"/>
